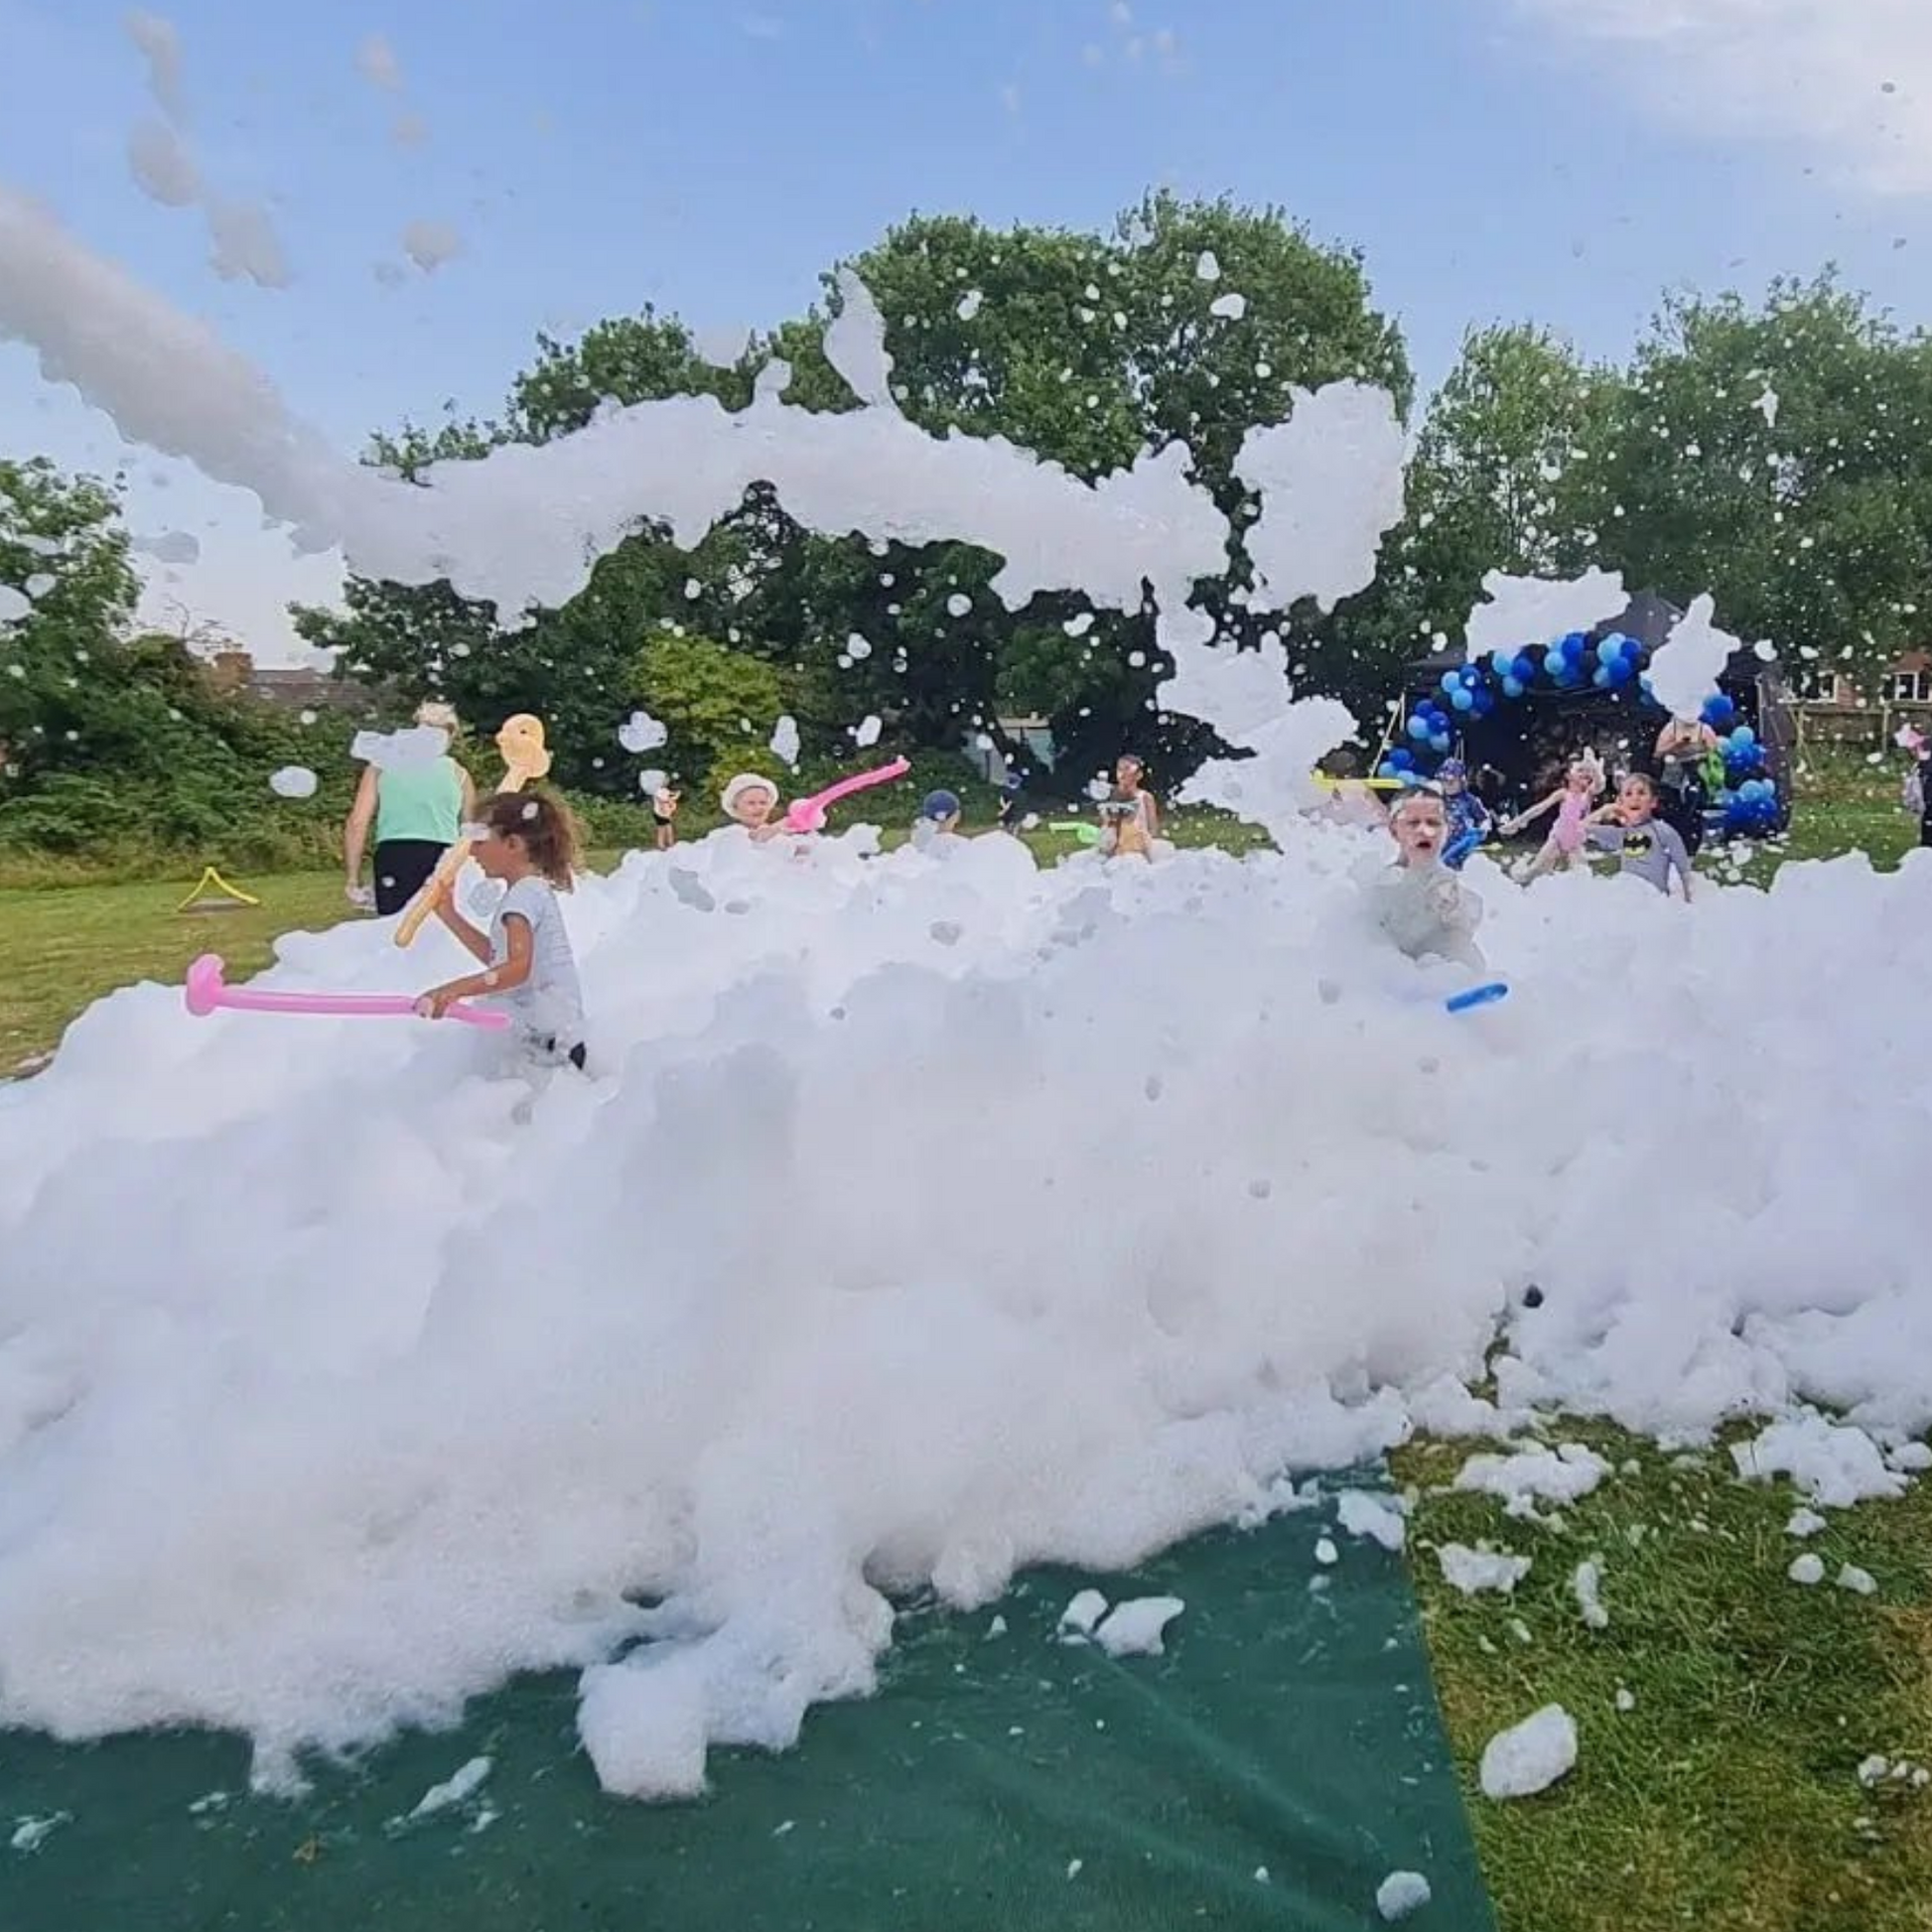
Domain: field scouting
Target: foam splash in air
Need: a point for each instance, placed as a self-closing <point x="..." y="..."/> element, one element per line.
<point x="1516" y="611"/>
<point x="521" y="527"/>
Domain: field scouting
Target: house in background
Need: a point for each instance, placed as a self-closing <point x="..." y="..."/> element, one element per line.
<point x="291" y="687"/>
<point x="1831" y="706"/>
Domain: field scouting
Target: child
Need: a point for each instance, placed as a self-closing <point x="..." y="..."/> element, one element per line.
<point x="1565" y="845"/>
<point x="938" y="818"/>
<point x="1418" y="901"/>
<point x="1130" y="820"/>
<point x="750" y="800"/>
<point x="1468" y="817"/>
<point x="530" y="841"/>
<point x="1652" y="849"/>
<point x="664" y="809"/>
<point x="1916" y="795"/>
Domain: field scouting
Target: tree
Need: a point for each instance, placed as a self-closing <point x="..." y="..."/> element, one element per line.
<point x="718" y="703"/>
<point x="1778" y="458"/>
<point x="118" y="743"/>
<point x="1084" y="349"/>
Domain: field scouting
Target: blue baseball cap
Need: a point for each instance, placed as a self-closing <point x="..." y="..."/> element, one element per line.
<point x="940" y="806"/>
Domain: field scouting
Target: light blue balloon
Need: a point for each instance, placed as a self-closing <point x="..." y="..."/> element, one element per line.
<point x="1439" y="742"/>
<point x="1462" y="698"/>
<point x="1419" y="728"/>
<point x="1450" y="680"/>
<point x="1602" y="678"/>
<point x="1512" y="687"/>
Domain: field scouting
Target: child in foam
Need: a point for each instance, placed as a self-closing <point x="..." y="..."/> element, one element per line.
<point x="664" y="803"/>
<point x="1469" y="820"/>
<point x="937" y="822"/>
<point x="1651" y="848"/>
<point x="1418" y="903"/>
<point x="1572" y="803"/>
<point x="1130" y="815"/>
<point x="528" y="840"/>
<point x="750" y="800"/>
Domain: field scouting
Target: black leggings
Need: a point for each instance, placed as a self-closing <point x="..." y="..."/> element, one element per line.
<point x="402" y="868"/>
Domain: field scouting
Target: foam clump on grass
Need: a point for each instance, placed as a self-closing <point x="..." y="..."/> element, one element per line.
<point x="1474" y="1571"/>
<point x="1531" y="1756"/>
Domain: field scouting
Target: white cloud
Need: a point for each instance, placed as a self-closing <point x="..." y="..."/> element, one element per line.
<point x="160" y="46"/>
<point x="162" y="166"/>
<point x="1848" y="81"/>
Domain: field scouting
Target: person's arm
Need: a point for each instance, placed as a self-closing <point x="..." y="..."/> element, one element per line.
<point x="472" y="939"/>
<point x="1535" y="812"/>
<point x="469" y="795"/>
<point x="519" y="943"/>
<point x="1680" y="859"/>
<point x="356" y="830"/>
<point x="1153" y="817"/>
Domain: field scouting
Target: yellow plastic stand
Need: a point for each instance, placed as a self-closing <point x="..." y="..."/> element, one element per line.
<point x="211" y="882"/>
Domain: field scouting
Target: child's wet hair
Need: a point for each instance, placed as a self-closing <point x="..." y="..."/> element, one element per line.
<point x="546" y="827"/>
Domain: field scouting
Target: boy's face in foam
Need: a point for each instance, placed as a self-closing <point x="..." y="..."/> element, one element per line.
<point x="755" y="806"/>
<point x="1420" y="829"/>
<point x="1635" y="801"/>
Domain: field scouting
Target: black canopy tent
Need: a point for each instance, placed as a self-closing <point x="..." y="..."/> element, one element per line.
<point x="1527" y="741"/>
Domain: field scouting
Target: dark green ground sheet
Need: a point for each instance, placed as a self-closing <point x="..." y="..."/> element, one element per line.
<point x="1281" y="1760"/>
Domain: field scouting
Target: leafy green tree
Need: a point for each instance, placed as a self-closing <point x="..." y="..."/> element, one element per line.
<point x="719" y="706"/>
<point x="117" y="745"/>
<point x="1777" y="457"/>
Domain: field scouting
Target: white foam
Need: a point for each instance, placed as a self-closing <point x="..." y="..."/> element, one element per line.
<point x="1518" y="612"/>
<point x="293" y="781"/>
<point x="1473" y="1571"/>
<point x="1685" y="671"/>
<point x="1331" y="485"/>
<point x="1530" y="1756"/>
<point x="1139" y="1629"/>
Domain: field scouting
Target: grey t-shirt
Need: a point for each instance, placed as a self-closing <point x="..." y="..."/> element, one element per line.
<point x="1427" y="911"/>
<point x="549" y="1004"/>
<point x="1649" y="850"/>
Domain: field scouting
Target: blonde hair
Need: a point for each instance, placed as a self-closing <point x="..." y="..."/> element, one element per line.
<point x="439" y="716"/>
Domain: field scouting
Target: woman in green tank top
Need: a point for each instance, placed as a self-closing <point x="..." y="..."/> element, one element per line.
<point x="417" y="812"/>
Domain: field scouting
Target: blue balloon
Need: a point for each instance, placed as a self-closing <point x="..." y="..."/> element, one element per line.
<point x="1462" y="700"/>
<point x="1418" y="727"/>
<point x="1602" y="678"/>
<point x="1512" y="687"/>
<point x="1450" y="680"/>
<point x="1524" y="667"/>
<point x="1440" y="744"/>
<point x="1608" y="651"/>
<point x="1575" y="644"/>
<point x="1402" y="757"/>
<point x="1501" y="662"/>
<point x="1620" y="671"/>
<point x="1388" y="770"/>
<point x="1744" y="735"/>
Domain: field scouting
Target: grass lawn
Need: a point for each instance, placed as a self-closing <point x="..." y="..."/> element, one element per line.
<point x="1726" y="1798"/>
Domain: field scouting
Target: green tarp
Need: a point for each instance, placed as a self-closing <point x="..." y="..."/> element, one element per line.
<point x="1281" y="1760"/>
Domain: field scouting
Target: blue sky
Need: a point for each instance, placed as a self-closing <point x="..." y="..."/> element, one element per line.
<point x="1558" y="159"/>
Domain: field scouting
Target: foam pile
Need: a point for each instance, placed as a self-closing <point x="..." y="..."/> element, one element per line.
<point x="929" y="1216"/>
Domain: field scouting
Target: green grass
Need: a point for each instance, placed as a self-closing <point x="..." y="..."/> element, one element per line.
<point x="1728" y="1798"/>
